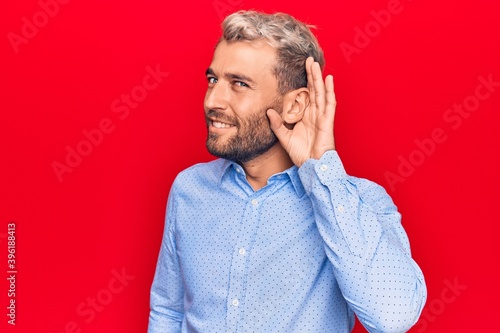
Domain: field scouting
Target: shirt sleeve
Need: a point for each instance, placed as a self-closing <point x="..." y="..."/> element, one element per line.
<point x="166" y="301"/>
<point x="367" y="245"/>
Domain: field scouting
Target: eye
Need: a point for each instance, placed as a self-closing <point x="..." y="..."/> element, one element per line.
<point x="240" y="83"/>
<point x="211" y="80"/>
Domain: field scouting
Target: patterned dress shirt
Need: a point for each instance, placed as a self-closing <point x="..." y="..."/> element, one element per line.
<point x="302" y="254"/>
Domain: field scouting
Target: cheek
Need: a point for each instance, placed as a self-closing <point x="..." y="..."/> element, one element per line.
<point x="205" y="99"/>
<point x="246" y="106"/>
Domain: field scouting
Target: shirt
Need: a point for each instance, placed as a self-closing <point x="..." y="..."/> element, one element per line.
<point x="302" y="254"/>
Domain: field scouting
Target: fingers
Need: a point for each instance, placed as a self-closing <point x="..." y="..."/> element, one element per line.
<point x="316" y="86"/>
<point x="310" y="85"/>
<point x="331" y="102"/>
<point x="309" y="62"/>
<point x="277" y="125"/>
<point x="319" y="87"/>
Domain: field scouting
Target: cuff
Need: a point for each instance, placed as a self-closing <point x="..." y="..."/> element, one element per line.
<point x="327" y="169"/>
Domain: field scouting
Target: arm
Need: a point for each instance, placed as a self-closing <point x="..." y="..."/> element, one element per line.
<point x="358" y="222"/>
<point x="366" y="244"/>
<point x="167" y="291"/>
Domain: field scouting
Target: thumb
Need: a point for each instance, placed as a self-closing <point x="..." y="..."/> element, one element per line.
<point x="276" y="123"/>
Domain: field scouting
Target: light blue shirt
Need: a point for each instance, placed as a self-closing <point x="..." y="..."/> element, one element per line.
<point x="302" y="254"/>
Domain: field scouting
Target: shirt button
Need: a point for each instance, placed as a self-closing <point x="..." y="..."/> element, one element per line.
<point x="242" y="251"/>
<point x="235" y="302"/>
<point x="340" y="208"/>
<point x="323" y="167"/>
<point x="255" y="202"/>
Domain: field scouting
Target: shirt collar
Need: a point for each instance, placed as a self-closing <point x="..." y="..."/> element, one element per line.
<point x="225" y="166"/>
<point x="292" y="172"/>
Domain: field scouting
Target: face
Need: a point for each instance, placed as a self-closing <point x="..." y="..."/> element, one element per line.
<point x="241" y="87"/>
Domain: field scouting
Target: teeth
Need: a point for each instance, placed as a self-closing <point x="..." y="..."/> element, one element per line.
<point x="218" y="124"/>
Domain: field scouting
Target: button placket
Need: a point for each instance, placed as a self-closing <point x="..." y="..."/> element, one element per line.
<point x="237" y="279"/>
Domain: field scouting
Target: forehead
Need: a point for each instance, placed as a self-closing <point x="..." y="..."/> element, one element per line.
<point x="255" y="59"/>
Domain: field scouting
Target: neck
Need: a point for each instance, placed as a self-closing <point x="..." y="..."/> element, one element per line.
<point x="259" y="169"/>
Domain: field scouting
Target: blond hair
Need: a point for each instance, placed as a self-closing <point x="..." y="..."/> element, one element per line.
<point x="292" y="39"/>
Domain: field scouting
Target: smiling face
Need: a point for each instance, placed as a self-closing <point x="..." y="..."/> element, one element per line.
<point x="241" y="87"/>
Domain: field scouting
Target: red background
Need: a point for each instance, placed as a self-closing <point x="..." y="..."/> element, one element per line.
<point x="107" y="213"/>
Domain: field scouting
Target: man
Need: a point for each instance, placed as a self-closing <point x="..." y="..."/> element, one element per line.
<point x="274" y="236"/>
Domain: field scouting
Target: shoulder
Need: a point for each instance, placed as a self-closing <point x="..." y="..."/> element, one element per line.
<point x="199" y="175"/>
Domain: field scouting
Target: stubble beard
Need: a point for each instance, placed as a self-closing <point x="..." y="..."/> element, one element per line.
<point x="253" y="138"/>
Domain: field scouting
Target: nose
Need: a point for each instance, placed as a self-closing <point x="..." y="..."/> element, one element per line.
<point x="216" y="97"/>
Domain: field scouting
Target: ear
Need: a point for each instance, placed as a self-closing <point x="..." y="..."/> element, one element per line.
<point x="295" y="103"/>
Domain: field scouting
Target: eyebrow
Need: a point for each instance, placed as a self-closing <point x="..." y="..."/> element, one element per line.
<point x="233" y="76"/>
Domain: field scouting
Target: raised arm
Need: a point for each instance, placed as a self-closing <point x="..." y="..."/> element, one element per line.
<point x="368" y="247"/>
<point x="359" y="223"/>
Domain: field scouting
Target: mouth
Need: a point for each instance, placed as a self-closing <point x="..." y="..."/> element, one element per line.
<point x="219" y="124"/>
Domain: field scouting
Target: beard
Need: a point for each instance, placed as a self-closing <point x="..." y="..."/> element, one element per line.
<point x="253" y="137"/>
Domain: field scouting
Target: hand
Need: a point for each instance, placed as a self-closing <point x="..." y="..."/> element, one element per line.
<point x="312" y="135"/>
